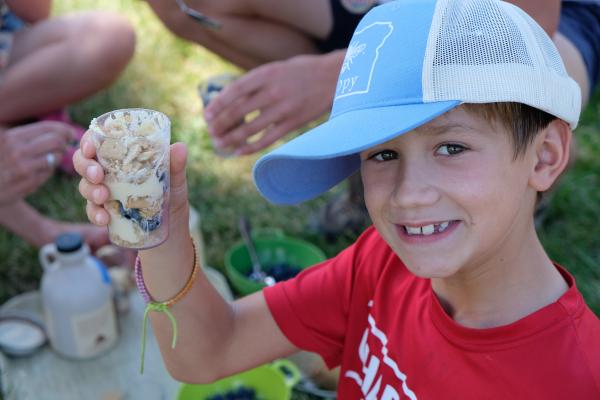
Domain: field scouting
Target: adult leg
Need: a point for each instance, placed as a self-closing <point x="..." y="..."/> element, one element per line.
<point x="61" y="60"/>
<point x="574" y="64"/>
<point x="253" y="32"/>
<point x="578" y="43"/>
<point x="24" y="221"/>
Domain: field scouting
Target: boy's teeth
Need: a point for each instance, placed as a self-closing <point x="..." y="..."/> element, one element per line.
<point x="413" y="231"/>
<point x="427" y="229"/>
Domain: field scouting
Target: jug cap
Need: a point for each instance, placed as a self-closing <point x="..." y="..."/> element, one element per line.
<point x="69" y="242"/>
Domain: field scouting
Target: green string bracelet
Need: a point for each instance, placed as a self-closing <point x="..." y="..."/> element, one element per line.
<point x="164" y="306"/>
<point x="158" y="307"/>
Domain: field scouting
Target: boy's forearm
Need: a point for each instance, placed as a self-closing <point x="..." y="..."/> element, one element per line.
<point x="30" y="11"/>
<point x="203" y="317"/>
<point x="204" y="324"/>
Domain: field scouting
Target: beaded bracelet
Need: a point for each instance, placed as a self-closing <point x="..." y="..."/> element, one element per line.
<point x="152" y="305"/>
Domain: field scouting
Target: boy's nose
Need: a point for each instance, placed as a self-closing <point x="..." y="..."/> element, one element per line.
<point x="414" y="187"/>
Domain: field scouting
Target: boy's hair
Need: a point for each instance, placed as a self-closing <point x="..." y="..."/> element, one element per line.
<point x="523" y="122"/>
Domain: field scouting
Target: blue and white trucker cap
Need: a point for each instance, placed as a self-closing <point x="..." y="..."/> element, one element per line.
<point x="408" y="62"/>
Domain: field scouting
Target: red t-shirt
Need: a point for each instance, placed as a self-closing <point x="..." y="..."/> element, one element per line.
<point x="365" y="311"/>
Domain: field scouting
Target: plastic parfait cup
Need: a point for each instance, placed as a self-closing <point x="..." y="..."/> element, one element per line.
<point x="207" y="91"/>
<point x="132" y="145"/>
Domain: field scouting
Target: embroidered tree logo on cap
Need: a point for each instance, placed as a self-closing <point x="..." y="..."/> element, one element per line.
<point x="353" y="51"/>
<point x="361" y="58"/>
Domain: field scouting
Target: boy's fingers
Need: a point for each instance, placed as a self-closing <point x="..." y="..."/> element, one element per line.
<point x="89" y="169"/>
<point x="178" y="161"/>
<point x="87" y="145"/>
<point x="97" y="194"/>
<point x="96" y="214"/>
<point x="178" y="196"/>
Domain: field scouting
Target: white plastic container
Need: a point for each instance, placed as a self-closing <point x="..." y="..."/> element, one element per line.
<point x="77" y="299"/>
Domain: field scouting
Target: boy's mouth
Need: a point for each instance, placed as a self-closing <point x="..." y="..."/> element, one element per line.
<point x="426" y="230"/>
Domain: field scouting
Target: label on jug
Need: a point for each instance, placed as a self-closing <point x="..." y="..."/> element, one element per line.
<point x="94" y="332"/>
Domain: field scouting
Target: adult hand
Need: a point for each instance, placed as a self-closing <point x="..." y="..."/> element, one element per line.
<point x="287" y="95"/>
<point x="96" y="193"/>
<point x="30" y="11"/>
<point x="29" y="155"/>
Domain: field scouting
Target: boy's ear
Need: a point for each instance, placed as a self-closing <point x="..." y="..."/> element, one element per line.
<point x="551" y="154"/>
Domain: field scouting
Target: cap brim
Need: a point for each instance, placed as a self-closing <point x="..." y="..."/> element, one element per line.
<point x="319" y="159"/>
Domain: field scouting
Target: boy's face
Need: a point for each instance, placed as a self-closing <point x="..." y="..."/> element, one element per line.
<point x="449" y="197"/>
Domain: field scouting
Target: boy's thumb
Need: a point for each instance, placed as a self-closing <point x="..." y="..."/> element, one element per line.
<point x="178" y="197"/>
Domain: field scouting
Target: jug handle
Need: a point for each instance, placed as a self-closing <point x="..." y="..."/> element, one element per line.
<point x="45" y="254"/>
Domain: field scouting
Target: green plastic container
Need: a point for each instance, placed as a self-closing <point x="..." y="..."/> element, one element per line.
<point x="270" y="381"/>
<point x="272" y="247"/>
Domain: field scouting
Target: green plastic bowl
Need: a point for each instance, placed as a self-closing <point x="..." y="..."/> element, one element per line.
<point x="270" y="381"/>
<point x="272" y="247"/>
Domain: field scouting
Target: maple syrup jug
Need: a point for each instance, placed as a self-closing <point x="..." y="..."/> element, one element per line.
<point x="77" y="299"/>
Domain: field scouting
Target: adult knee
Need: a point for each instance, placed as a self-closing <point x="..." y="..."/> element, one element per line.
<point x="108" y="40"/>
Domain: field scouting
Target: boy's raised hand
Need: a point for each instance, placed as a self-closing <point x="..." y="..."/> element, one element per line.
<point x="202" y="312"/>
<point x="96" y="193"/>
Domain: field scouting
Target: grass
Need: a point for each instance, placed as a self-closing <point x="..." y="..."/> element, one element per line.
<point x="164" y="75"/>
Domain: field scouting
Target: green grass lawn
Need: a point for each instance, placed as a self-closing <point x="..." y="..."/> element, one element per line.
<point x="164" y="75"/>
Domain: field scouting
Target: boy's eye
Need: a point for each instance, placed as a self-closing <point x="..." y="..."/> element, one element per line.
<point x="450" y="149"/>
<point x="384" y="155"/>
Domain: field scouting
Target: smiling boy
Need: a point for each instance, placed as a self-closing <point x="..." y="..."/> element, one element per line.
<point x="458" y="113"/>
<point x="455" y="197"/>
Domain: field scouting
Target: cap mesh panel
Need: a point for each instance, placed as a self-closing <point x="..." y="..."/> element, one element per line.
<point x="484" y="51"/>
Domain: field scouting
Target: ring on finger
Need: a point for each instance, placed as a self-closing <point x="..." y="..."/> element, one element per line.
<point x="51" y="160"/>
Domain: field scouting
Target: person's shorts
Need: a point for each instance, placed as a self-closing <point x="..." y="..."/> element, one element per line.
<point x="346" y="16"/>
<point x="580" y="24"/>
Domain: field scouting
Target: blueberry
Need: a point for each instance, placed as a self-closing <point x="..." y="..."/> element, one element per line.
<point x="130" y="213"/>
<point x="282" y="271"/>
<point x="122" y="211"/>
<point x="134" y="214"/>
<point x="240" y="393"/>
<point x="213" y="87"/>
<point x="244" y="393"/>
<point x="149" y="225"/>
<point x="231" y="396"/>
<point x="293" y="270"/>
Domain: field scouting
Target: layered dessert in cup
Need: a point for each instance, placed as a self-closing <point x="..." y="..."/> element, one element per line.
<point x="207" y="91"/>
<point x="132" y="145"/>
